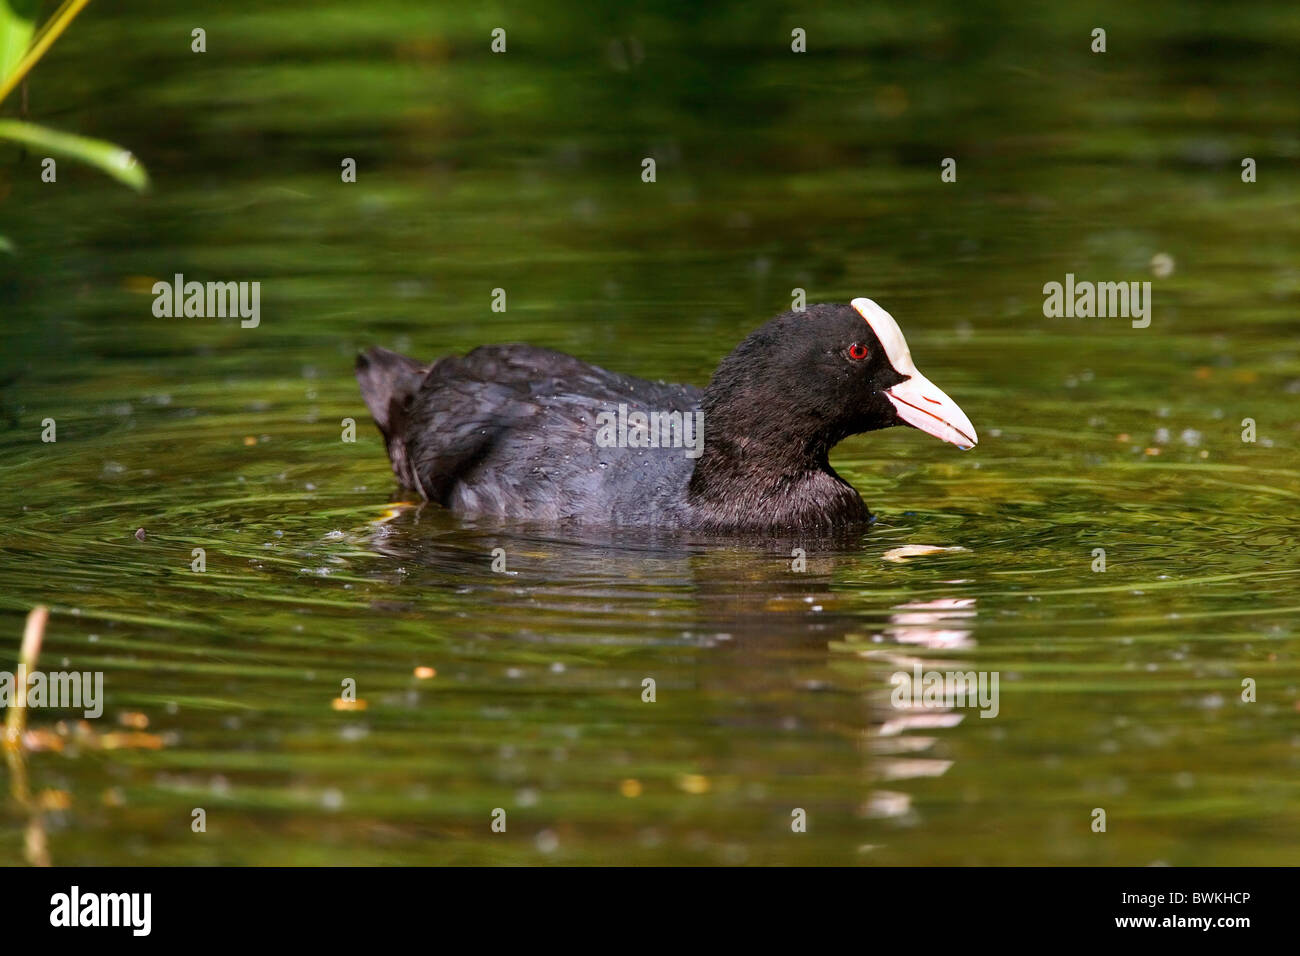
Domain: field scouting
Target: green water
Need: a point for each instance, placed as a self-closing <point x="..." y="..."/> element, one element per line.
<point x="1119" y="690"/>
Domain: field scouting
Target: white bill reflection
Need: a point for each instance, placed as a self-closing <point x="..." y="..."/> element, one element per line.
<point x="902" y="741"/>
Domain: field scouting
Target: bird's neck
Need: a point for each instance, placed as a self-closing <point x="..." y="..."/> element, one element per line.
<point x="760" y="473"/>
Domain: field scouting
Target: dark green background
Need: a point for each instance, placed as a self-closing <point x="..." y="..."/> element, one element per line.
<point x="775" y="170"/>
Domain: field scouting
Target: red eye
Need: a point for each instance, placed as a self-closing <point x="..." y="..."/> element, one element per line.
<point x="857" y="351"/>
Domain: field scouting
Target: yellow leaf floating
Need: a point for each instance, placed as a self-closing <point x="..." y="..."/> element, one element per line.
<point x="130" y="741"/>
<point x="694" y="783"/>
<point x="394" y="509"/>
<point x="898" y="555"/>
<point x="54" y="800"/>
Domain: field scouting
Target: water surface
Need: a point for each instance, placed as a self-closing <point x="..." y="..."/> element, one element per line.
<point x="1118" y="689"/>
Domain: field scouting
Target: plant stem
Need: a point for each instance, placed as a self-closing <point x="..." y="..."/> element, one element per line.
<point x="33" y="635"/>
<point x="52" y="30"/>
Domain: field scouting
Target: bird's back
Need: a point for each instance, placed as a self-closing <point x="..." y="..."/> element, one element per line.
<point x="513" y="431"/>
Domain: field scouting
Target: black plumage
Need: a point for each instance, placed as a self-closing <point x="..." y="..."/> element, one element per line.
<point x="511" y="430"/>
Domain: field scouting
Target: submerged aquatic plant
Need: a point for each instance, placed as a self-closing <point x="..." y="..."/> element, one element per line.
<point x="21" y="47"/>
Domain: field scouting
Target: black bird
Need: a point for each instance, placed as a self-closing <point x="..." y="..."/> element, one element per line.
<point x="526" y="433"/>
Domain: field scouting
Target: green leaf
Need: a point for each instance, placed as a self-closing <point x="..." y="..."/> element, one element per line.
<point x="17" y="23"/>
<point x="119" y="163"/>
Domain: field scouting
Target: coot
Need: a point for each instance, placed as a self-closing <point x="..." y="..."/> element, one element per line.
<point x="526" y="433"/>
